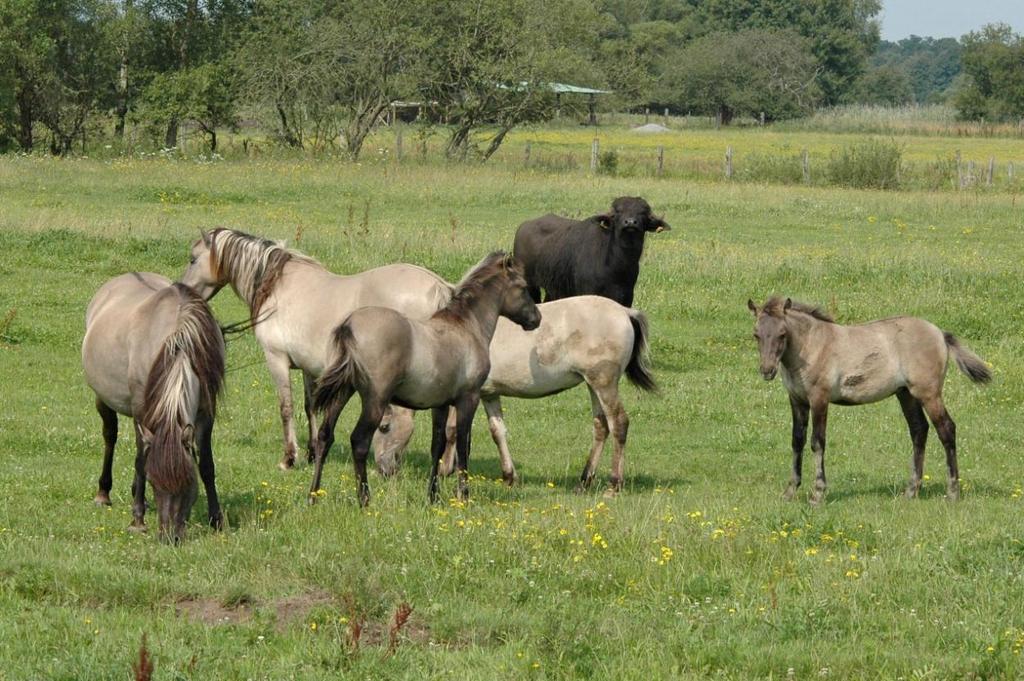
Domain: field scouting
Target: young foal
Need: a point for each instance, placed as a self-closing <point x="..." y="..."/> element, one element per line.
<point x="153" y="351"/>
<point x="580" y="339"/>
<point x="822" y="362"/>
<point x="440" y="363"/>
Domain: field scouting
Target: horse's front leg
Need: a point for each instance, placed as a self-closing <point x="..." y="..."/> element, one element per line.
<point x="438" y="441"/>
<point x="308" y="386"/>
<point x="109" y="417"/>
<point x="819" y="419"/>
<point x="465" y="410"/>
<point x="499" y="433"/>
<point x="448" y="458"/>
<point x="279" y="366"/>
<point x="139" y="484"/>
<point x="204" y="437"/>
<point x="801" y="412"/>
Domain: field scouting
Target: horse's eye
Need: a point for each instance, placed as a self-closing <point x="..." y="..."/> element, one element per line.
<point x="756" y="337"/>
<point x="192" y="260"/>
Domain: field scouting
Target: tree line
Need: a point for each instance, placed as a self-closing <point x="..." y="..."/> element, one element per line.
<point x="320" y="73"/>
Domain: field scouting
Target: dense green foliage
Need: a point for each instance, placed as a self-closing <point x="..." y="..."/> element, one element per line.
<point x="926" y="67"/>
<point x="993" y="60"/>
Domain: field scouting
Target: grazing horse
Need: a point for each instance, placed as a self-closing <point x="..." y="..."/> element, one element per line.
<point x="588" y="339"/>
<point x="824" y="363"/>
<point x="294" y="303"/>
<point x="153" y="351"/>
<point x="435" y="364"/>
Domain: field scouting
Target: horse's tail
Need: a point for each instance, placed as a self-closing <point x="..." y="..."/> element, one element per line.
<point x="639" y="368"/>
<point x="967" y="361"/>
<point x="340" y="376"/>
<point x="186" y="375"/>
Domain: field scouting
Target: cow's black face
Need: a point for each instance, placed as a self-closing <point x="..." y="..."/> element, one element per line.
<point x="631" y="215"/>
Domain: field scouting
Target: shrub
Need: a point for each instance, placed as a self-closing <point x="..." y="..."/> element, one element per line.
<point x="785" y="169"/>
<point x="608" y="162"/>
<point x="867" y="165"/>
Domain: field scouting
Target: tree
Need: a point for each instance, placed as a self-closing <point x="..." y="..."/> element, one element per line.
<point x="842" y="34"/>
<point x="748" y="72"/>
<point x="206" y="94"/>
<point x="930" y="64"/>
<point x="491" y="63"/>
<point x="993" y="62"/>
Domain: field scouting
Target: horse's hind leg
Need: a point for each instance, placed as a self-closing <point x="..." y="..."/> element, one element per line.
<point x="801" y="411"/>
<point x="946" y="430"/>
<point x="362" y="437"/>
<point x="600" y="435"/>
<point x="109" y="417"/>
<point x="607" y="391"/>
<point x="204" y="436"/>
<point x="918" y="426"/>
<point x="447" y="466"/>
<point x="308" y="386"/>
<point x="279" y="367"/>
<point x="499" y="433"/>
<point x="326" y="438"/>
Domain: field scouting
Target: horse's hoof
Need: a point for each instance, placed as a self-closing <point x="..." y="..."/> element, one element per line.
<point x="580" y="488"/>
<point x="953" y="495"/>
<point x="611" y="493"/>
<point x="510" y="479"/>
<point x="137" y="526"/>
<point x="217" y="522"/>
<point x="789" y="493"/>
<point x="102" y="499"/>
<point x="910" y="493"/>
<point x="286" y="465"/>
<point x="817" y="500"/>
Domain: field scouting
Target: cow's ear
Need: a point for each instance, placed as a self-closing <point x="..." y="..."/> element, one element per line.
<point x="656" y="224"/>
<point x="604" y="220"/>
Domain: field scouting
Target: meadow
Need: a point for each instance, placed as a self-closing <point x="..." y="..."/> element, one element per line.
<point x="698" y="569"/>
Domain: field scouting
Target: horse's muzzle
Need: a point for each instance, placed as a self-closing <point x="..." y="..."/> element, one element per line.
<point x="769" y="374"/>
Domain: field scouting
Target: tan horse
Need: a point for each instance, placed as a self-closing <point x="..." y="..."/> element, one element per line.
<point x="824" y="363"/>
<point x="295" y="303"/>
<point x="435" y="364"/>
<point x="580" y="339"/>
<point x="153" y="351"/>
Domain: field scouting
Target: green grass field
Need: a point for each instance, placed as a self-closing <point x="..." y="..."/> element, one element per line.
<point x="698" y="569"/>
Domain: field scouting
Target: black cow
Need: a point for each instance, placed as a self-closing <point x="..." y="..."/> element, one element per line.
<point x="599" y="255"/>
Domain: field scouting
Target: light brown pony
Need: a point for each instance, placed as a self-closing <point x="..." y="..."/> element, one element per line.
<point x="824" y="363"/>
<point x="153" y="351"/>
<point x="294" y="304"/>
<point x="435" y="364"/>
<point x="580" y="339"/>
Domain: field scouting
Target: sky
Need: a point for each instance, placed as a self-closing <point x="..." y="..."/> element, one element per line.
<point x="947" y="18"/>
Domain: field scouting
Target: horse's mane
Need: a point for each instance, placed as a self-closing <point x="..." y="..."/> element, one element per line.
<point x="475" y="282"/>
<point x="252" y="264"/>
<point x="189" y="365"/>
<point x="775" y="306"/>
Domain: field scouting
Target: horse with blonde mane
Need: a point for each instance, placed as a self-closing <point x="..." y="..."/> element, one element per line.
<point x="153" y="351"/>
<point x="294" y="304"/>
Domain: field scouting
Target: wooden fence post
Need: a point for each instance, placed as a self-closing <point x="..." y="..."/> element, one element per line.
<point x="398" y="142"/>
<point x="991" y="170"/>
<point x="526" y="155"/>
<point x="647" y="115"/>
<point x="666" y="116"/>
<point x="728" y="163"/>
<point x="661" y="160"/>
<point x="593" y="155"/>
<point x="1009" y="171"/>
<point x="806" y="164"/>
<point x="959" y="172"/>
<point x="970" y="172"/>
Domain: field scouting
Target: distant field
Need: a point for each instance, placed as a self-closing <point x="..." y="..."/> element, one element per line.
<point x="698" y="569"/>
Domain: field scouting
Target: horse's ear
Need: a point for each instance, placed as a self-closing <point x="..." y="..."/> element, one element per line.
<point x="751" y="306"/>
<point x="657" y="225"/>
<point x="188" y="434"/>
<point x="789" y="304"/>
<point x="147" y="436"/>
<point x="604" y="220"/>
<point x="205" y="236"/>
